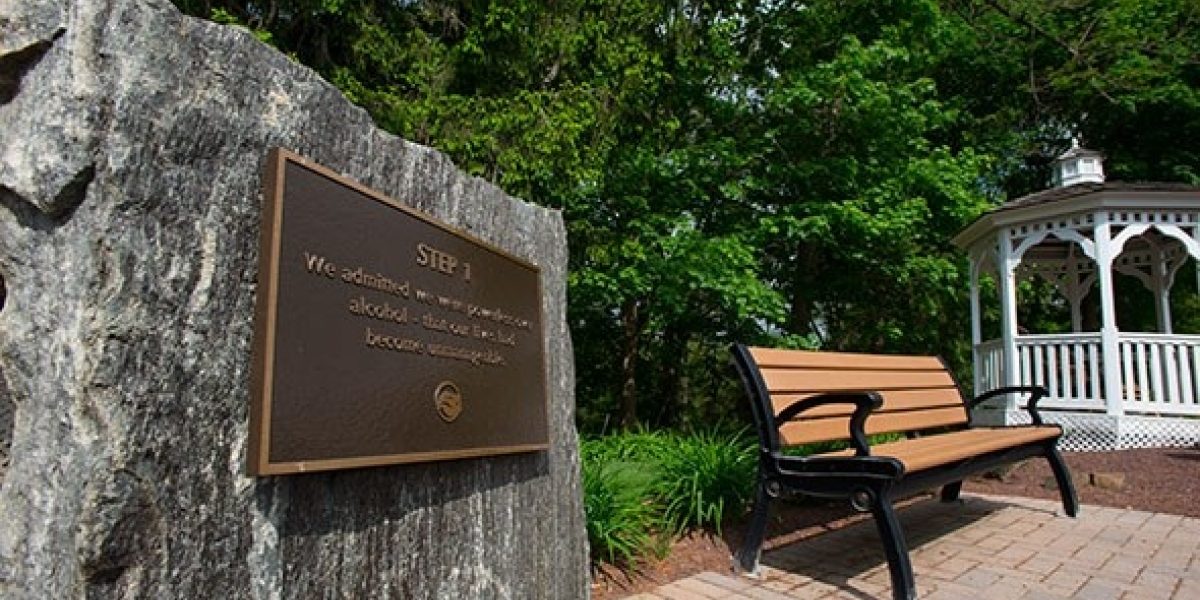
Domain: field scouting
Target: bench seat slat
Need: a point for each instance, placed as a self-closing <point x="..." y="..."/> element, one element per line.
<point x="819" y="380"/>
<point x="837" y="428"/>
<point x="791" y="359"/>
<point x="893" y="400"/>
<point x="925" y="453"/>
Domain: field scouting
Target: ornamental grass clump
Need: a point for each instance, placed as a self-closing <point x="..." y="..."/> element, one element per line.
<point x="642" y="488"/>
<point x="706" y="477"/>
<point x="623" y="520"/>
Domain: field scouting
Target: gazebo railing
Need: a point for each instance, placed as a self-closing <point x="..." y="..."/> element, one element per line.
<point x="1156" y="373"/>
<point x="1160" y="373"/>
<point x="989" y="370"/>
<point x="1069" y="365"/>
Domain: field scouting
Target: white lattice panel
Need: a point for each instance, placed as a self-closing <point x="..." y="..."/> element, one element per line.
<point x="1098" y="432"/>
<point x="1157" y="432"/>
<point x="1086" y="432"/>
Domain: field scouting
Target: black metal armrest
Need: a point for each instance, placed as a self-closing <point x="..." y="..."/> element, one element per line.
<point x="1036" y="393"/>
<point x="864" y="403"/>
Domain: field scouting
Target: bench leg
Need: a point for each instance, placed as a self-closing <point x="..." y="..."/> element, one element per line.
<point x="903" y="585"/>
<point x="1065" y="486"/>
<point x="950" y="491"/>
<point x="746" y="561"/>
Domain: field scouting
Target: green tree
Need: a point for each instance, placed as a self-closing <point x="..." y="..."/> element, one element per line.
<point x="772" y="172"/>
<point x="867" y="180"/>
<point x="1124" y="75"/>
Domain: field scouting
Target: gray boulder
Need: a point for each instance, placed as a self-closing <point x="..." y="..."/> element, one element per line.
<point x="132" y="141"/>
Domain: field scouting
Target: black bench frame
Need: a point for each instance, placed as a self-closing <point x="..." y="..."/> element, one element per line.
<point x="870" y="483"/>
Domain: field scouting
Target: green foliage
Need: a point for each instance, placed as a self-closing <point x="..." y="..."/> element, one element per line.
<point x="768" y="172"/>
<point x="621" y="476"/>
<point x="706" y="478"/>
<point x="620" y="520"/>
<point x="642" y="487"/>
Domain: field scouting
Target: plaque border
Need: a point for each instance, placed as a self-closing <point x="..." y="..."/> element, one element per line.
<point x="262" y="376"/>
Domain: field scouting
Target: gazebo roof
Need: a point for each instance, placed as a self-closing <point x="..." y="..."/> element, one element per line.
<point x="1083" y="189"/>
<point x="1078" y="198"/>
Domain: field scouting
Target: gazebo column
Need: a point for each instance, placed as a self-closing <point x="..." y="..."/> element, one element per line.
<point x="1109" y="344"/>
<point x="1162" y="294"/>
<point x="1007" y="270"/>
<point x="1075" y="288"/>
<point x="1166" y="270"/>
<point x="1076" y="314"/>
<point x="1160" y="283"/>
<point x="976" y="327"/>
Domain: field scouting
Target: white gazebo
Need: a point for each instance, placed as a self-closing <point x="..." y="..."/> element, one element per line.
<point x="1109" y="389"/>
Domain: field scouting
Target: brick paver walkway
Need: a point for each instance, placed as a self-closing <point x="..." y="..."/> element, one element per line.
<point x="987" y="547"/>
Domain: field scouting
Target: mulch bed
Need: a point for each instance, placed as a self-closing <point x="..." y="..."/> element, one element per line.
<point x="1163" y="480"/>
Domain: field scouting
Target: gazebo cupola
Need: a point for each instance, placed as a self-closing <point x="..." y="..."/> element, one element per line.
<point x="1109" y="388"/>
<point x="1077" y="165"/>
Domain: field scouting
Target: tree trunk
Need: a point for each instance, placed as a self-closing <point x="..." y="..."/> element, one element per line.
<point x="800" y="317"/>
<point x="631" y="329"/>
<point x="675" y="341"/>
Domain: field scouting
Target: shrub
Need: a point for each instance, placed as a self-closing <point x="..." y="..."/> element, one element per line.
<point x="706" y="478"/>
<point x="639" y="446"/>
<point x="621" y="518"/>
<point x="641" y="487"/>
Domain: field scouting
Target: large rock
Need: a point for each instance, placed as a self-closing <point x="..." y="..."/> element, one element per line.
<point x="132" y="141"/>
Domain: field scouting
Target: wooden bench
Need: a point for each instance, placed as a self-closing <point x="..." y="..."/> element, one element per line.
<point x="800" y="397"/>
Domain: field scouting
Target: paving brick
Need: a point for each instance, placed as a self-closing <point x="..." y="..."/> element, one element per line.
<point x="951" y="568"/>
<point x="1092" y="556"/>
<point x="1187" y="590"/>
<point x="973" y="534"/>
<point x="1014" y="555"/>
<point x="1099" y="590"/>
<point x="1042" y="594"/>
<point x="781" y="585"/>
<point x="947" y="591"/>
<point x="977" y="578"/>
<point x="813" y="591"/>
<point x="1006" y="573"/>
<point x="1066" y="545"/>
<point x="702" y="588"/>
<point x="1115" y="536"/>
<point x="1065" y="580"/>
<point x="1157" y="583"/>
<point x="993" y="543"/>
<point x="1041" y="565"/>
<point x="1042" y="536"/>
<point x="1142" y="596"/>
<point x="767" y="573"/>
<point x="675" y="591"/>
<point x="758" y="593"/>
<point x="862" y="588"/>
<point x="1124" y="568"/>
<point x="987" y="548"/>
<point x="726" y="582"/>
<point x="1134" y="517"/>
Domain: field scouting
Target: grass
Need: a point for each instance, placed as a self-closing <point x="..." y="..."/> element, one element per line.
<point x="620" y="522"/>
<point x="642" y="488"/>
<point x="706" y="477"/>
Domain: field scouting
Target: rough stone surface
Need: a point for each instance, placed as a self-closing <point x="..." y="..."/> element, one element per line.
<point x="6" y="424"/>
<point x="132" y="141"/>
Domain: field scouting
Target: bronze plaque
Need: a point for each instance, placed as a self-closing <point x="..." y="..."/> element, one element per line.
<point x="383" y="336"/>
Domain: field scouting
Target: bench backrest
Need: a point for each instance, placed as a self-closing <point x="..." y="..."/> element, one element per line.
<point x="918" y="392"/>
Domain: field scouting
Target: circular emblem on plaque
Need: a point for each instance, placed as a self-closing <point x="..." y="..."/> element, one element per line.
<point x="448" y="400"/>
